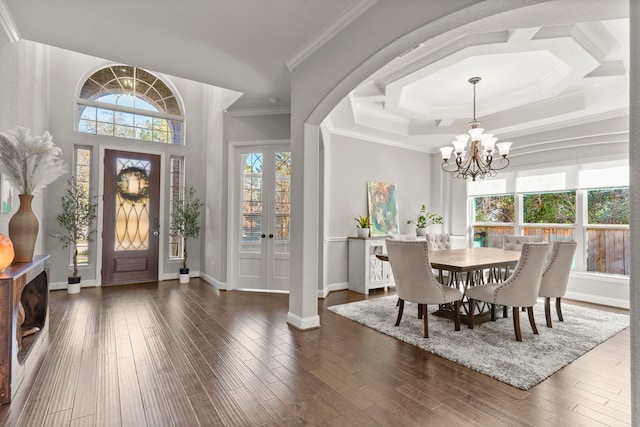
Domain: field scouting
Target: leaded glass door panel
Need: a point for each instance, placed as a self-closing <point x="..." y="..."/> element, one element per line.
<point x="131" y="217"/>
<point x="263" y="212"/>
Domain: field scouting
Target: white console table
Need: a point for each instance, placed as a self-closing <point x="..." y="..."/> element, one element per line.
<point x="366" y="271"/>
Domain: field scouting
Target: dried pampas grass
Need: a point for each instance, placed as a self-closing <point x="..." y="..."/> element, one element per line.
<point x="28" y="161"/>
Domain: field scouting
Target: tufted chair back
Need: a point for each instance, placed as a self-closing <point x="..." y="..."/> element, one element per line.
<point x="514" y="243"/>
<point x="403" y="236"/>
<point x="438" y="241"/>
<point x="556" y="274"/>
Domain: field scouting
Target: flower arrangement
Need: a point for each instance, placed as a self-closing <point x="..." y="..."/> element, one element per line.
<point x="425" y="218"/>
<point x="28" y="161"/>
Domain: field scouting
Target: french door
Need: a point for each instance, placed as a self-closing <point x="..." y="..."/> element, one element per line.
<point x="130" y="238"/>
<point x="263" y="188"/>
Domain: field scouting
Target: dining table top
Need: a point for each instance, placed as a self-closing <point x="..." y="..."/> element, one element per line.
<point x="469" y="259"/>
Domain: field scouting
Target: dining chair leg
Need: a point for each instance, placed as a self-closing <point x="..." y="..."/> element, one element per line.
<point x="456" y="307"/>
<point x="516" y="323"/>
<point x="426" y="320"/>
<point x="505" y="311"/>
<point x="558" y="309"/>
<point x="420" y="311"/>
<point x="547" y="311"/>
<point x="472" y="309"/>
<point x="400" y="310"/>
<point x="493" y="312"/>
<point x="532" y="320"/>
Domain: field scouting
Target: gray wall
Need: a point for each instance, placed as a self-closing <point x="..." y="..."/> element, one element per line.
<point x="24" y="90"/>
<point x="68" y="70"/>
<point x="348" y="164"/>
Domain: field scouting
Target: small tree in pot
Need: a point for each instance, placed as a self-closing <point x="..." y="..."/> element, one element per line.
<point x="78" y="221"/>
<point x="185" y="223"/>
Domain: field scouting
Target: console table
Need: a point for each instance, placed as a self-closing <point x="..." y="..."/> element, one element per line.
<point x="24" y="306"/>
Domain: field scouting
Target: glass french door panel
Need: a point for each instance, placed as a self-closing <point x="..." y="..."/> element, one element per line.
<point x="250" y="240"/>
<point x="132" y="224"/>
<point x="282" y="202"/>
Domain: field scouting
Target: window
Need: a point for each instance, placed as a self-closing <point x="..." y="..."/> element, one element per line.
<point x="175" y="192"/>
<point x="545" y="213"/>
<point x="608" y="231"/>
<point x="561" y="203"/>
<point x="129" y="102"/>
<point x="83" y="179"/>
<point x="494" y="217"/>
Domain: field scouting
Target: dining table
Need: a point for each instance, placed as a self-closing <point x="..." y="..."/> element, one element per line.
<point x="470" y="267"/>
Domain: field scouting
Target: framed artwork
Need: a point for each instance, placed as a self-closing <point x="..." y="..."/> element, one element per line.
<point x="6" y="195"/>
<point x="383" y="208"/>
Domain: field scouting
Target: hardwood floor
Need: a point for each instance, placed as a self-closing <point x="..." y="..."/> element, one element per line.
<point x="164" y="354"/>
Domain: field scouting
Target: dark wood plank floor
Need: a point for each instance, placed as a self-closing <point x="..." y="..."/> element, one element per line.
<point x="165" y="354"/>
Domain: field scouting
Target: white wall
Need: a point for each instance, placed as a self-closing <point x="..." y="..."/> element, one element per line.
<point x="24" y="90"/>
<point x="348" y="164"/>
<point x="68" y="71"/>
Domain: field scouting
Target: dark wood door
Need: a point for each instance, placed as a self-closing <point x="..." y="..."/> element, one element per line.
<point x="130" y="239"/>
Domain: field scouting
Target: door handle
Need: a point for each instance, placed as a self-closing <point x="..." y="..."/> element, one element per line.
<point x="264" y="235"/>
<point x="271" y="236"/>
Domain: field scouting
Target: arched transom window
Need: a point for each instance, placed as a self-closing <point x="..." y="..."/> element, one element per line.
<point x="129" y="102"/>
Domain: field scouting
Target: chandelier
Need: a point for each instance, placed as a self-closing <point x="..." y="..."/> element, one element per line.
<point x="478" y="160"/>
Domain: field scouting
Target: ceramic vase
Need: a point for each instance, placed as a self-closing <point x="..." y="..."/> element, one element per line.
<point x="421" y="231"/>
<point x="23" y="230"/>
<point x="362" y="233"/>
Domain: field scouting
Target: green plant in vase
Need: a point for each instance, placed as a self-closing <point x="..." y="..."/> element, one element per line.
<point x="185" y="223"/>
<point x="363" y="225"/>
<point x="77" y="220"/>
<point x="425" y="219"/>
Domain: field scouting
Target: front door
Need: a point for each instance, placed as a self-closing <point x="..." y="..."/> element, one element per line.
<point x="130" y="238"/>
<point x="262" y="213"/>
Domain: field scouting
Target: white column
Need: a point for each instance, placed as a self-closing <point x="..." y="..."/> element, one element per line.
<point x="634" y="206"/>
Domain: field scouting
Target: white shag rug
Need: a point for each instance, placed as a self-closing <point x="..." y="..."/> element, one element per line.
<point x="491" y="348"/>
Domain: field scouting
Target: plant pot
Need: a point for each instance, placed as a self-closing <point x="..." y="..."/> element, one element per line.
<point x="73" y="285"/>
<point x="362" y="232"/>
<point x="421" y="231"/>
<point x="184" y="275"/>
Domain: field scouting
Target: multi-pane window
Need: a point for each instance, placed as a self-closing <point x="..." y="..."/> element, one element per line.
<point x="494" y="217"/>
<point x="83" y="179"/>
<point x="552" y="215"/>
<point x="557" y="216"/>
<point x="607" y="231"/>
<point x="129" y="102"/>
<point x="175" y="192"/>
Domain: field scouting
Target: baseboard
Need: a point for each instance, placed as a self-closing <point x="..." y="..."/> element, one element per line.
<point x="596" y="299"/>
<point x="303" y="324"/>
<point x="341" y="286"/>
<point x="213" y="282"/>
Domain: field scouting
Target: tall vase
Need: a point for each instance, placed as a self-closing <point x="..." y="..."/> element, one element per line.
<point x="23" y="230"/>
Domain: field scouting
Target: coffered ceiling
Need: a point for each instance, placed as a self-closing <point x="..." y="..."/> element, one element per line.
<point x="533" y="80"/>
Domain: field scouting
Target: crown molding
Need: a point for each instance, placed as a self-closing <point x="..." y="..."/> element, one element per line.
<point x="8" y="24"/>
<point x="244" y="112"/>
<point x="356" y="9"/>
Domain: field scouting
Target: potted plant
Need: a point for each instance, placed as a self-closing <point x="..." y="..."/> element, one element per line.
<point x="363" y="225"/>
<point x="78" y="222"/>
<point x="185" y="223"/>
<point x="425" y="219"/>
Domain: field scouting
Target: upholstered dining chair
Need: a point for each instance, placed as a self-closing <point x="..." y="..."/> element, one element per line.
<point x="555" y="277"/>
<point x="439" y="242"/>
<point x="519" y="290"/>
<point x="415" y="281"/>
<point x="514" y="243"/>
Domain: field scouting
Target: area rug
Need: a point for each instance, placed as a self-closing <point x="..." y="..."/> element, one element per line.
<point x="491" y="348"/>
